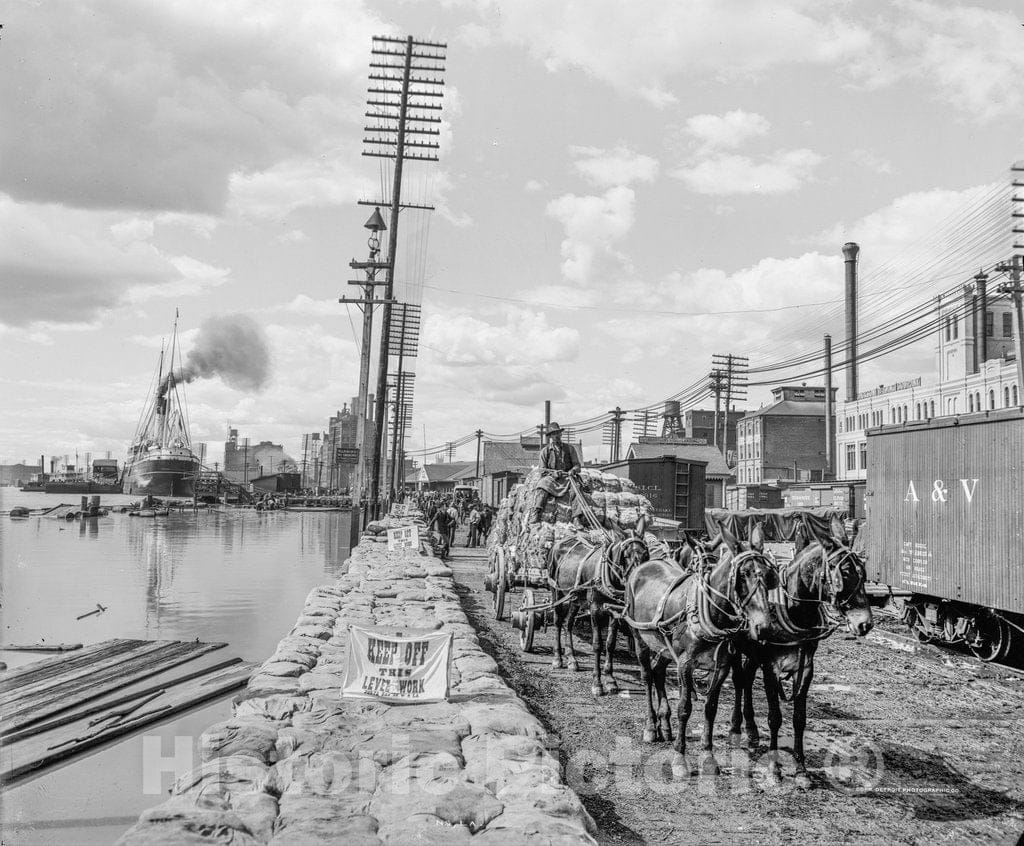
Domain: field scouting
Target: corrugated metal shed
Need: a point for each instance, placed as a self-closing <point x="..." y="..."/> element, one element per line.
<point x="945" y="508"/>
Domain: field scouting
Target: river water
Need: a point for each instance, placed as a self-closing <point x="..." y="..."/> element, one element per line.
<point x="232" y="575"/>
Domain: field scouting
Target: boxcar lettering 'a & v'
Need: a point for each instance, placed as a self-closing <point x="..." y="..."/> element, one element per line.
<point x="940" y="492"/>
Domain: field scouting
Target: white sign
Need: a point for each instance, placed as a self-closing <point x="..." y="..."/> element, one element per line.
<point x="407" y="537"/>
<point x="397" y="669"/>
<point x="783" y="553"/>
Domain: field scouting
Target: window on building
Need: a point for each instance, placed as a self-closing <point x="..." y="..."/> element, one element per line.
<point x="970" y="402"/>
<point x="1006" y="397"/>
<point x="864" y="455"/>
<point x="851" y="457"/>
<point x="1007" y="324"/>
<point x="956" y="327"/>
<point x="1016" y="401"/>
<point x="933" y="409"/>
<point x="990" y="321"/>
<point x="991" y="400"/>
<point x="977" y="401"/>
<point x="906" y="414"/>
<point x="947" y="329"/>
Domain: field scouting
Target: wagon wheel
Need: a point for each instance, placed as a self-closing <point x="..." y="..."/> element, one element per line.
<point x="529" y="622"/>
<point x="993" y="639"/>
<point x="500" y="585"/>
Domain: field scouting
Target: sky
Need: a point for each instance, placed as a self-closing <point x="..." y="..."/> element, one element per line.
<point x="612" y="178"/>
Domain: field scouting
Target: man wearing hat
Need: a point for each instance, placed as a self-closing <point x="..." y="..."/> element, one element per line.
<point x="555" y="456"/>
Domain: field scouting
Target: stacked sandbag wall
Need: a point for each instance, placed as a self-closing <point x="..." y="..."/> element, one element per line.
<point x="300" y="764"/>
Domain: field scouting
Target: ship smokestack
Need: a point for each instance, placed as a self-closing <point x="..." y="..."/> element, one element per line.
<point x="850" y="251"/>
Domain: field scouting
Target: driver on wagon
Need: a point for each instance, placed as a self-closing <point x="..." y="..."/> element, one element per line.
<point x="555" y="456"/>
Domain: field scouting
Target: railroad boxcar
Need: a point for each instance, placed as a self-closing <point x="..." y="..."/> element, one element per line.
<point x="675" y="486"/>
<point x="945" y="526"/>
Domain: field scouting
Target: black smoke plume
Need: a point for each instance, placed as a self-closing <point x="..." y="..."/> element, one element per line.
<point x="232" y="347"/>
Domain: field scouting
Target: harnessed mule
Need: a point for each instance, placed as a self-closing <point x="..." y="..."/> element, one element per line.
<point x="819" y="590"/>
<point x="692" y="618"/>
<point x="598" y="573"/>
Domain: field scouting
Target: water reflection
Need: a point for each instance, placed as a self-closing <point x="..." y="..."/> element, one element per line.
<point x="228" y="575"/>
<point x="238" y="577"/>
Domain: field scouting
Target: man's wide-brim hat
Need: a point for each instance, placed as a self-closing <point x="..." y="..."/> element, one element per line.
<point x="553" y="427"/>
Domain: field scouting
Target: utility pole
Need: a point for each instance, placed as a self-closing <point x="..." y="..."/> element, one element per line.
<point x="729" y="375"/>
<point x="479" y="441"/>
<point x="616" y="432"/>
<point x="829" y="413"/>
<point x="1014" y="266"/>
<point x="393" y="86"/>
<point x="1015" y="290"/>
<point x="376" y="225"/>
<point x="715" y="386"/>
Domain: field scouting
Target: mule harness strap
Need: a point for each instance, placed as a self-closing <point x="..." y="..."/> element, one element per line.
<point x="780" y="612"/>
<point x="577" y="585"/>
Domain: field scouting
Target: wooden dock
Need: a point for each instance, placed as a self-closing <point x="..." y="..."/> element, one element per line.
<point x="54" y="709"/>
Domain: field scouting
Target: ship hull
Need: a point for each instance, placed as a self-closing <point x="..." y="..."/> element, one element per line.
<point x="161" y="476"/>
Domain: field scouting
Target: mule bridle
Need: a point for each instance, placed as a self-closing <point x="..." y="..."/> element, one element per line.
<point x="828" y="597"/>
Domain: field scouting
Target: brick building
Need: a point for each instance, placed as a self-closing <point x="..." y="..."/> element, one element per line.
<point x="700" y="423"/>
<point x="783" y="440"/>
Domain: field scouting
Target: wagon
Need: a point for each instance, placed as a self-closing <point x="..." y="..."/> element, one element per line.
<point x="511" y="567"/>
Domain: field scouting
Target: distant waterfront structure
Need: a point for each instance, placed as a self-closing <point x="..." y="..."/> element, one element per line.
<point x="975" y="371"/>
<point x="245" y="461"/>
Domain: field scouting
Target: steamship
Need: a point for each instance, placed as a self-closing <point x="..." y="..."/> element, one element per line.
<point x="160" y="460"/>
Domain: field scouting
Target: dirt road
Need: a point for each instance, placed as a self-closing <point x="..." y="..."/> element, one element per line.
<point x="917" y="747"/>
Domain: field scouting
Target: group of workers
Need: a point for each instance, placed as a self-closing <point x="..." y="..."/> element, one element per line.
<point x="446" y="512"/>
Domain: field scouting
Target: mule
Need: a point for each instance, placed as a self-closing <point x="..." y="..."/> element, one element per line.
<point x="821" y="588"/>
<point x="596" y="575"/>
<point x="692" y="618"/>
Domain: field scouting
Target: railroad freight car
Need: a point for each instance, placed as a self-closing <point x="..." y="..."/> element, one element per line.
<point x="675" y="486"/>
<point x="945" y="527"/>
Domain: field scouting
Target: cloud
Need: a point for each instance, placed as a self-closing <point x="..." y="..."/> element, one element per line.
<point x="911" y="220"/>
<point x="970" y="56"/>
<point x="292" y="236"/>
<point x="158" y="107"/>
<point x="620" y="166"/>
<point x="525" y="338"/>
<point x="778" y="173"/>
<point x="592" y="225"/>
<point x="533" y="186"/>
<point x="639" y="55"/>
<point x="730" y="130"/>
<point x="69" y="266"/>
<point x="870" y="161"/>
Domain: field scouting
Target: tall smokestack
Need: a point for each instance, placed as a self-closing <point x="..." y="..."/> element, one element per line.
<point x="850" y="250"/>
<point x="982" y="281"/>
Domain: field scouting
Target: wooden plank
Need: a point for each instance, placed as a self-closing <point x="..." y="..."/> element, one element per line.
<point x="10" y="733"/>
<point x="18" y="760"/>
<point x="40" y="647"/>
<point x="59" y="672"/>
<point x="104" y="665"/>
<point x="135" y="670"/>
<point x="46" y="664"/>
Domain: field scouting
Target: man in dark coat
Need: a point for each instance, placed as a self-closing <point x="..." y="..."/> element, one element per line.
<point x="558" y="459"/>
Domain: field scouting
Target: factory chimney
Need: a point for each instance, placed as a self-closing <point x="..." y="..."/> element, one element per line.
<point x="981" y="324"/>
<point x="850" y="251"/>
